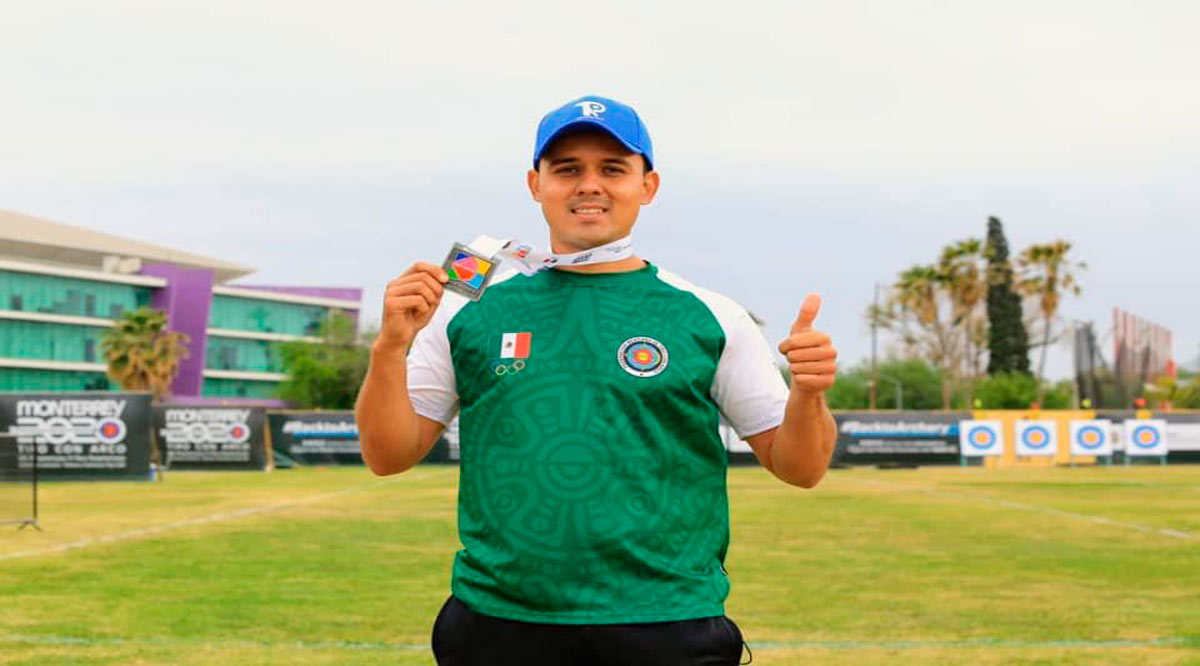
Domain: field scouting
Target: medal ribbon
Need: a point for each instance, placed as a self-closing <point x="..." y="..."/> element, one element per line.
<point x="530" y="260"/>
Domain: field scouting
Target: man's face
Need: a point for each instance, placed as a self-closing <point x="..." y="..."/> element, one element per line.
<point x="591" y="188"/>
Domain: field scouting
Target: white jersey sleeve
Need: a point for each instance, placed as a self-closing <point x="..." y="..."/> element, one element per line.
<point x="431" y="382"/>
<point x="748" y="387"/>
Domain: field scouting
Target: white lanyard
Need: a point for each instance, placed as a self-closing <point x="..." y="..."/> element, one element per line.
<point x="530" y="260"/>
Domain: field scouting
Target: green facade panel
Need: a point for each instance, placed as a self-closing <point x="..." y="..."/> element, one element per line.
<point x="52" y="294"/>
<point x="50" y="342"/>
<point x="239" y="388"/>
<point x="247" y="314"/>
<point x="239" y="354"/>
<point x="24" y="379"/>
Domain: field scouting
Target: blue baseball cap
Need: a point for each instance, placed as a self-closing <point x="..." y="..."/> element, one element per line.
<point x="619" y="120"/>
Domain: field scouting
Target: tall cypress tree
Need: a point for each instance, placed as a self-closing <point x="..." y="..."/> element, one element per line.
<point x="1008" y="342"/>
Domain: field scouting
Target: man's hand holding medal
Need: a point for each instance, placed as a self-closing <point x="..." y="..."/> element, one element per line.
<point x="408" y="304"/>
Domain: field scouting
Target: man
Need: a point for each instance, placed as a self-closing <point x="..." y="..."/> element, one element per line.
<point x="592" y="502"/>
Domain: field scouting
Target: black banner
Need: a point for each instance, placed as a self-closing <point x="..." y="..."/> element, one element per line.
<point x="204" y="437"/>
<point x="92" y="435"/>
<point x="331" y="438"/>
<point x="316" y="438"/>
<point x="897" y="438"/>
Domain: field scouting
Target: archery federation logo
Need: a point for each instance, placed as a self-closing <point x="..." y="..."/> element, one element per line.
<point x="642" y="356"/>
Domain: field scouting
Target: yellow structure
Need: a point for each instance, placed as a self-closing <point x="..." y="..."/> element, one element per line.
<point x="1008" y="419"/>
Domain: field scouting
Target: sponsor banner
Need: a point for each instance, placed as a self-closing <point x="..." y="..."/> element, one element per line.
<point x="1091" y="437"/>
<point x="316" y="438"/>
<point x="1145" y="437"/>
<point x="897" y="438"/>
<point x="1036" y="438"/>
<point x="207" y="437"/>
<point x="91" y="435"/>
<point x="1183" y="432"/>
<point x="981" y="438"/>
<point x="331" y="438"/>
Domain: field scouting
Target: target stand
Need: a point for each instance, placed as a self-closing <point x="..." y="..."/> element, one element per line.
<point x="10" y="454"/>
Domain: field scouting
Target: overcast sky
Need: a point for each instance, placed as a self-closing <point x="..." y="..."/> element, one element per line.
<point x="803" y="146"/>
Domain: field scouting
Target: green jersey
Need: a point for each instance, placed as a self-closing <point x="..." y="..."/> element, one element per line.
<point x="592" y="478"/>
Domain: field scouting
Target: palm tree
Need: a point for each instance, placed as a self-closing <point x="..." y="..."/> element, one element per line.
<point x="917" y="294"/>
<point x="142" y="354"/>
<point x="963" y="271"/>
<point x="1047" y="274"/>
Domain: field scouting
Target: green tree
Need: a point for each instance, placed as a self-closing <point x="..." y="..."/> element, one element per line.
<point x="935" y="310"/>
<point x="963" y="271"/>
<point x="141" y="354"/>
<point x="1016" y="390"/>
<point x="1046" y="274"/>
<point x="1008" y="341"/>
<point x="1174" y="393"/>
<point x="325" y="374"/>
<point x="920" y="386"/>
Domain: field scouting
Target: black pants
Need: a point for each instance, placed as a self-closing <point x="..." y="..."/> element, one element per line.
<point x="462" y="637"/>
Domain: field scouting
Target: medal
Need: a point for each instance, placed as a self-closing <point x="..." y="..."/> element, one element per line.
<point x="469" y="271"/>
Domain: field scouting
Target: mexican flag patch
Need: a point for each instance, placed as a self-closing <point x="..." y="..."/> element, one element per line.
<point x="512" y="345"/>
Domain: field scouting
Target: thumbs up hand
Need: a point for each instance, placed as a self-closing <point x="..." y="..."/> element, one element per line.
<point x="810" y="354"/>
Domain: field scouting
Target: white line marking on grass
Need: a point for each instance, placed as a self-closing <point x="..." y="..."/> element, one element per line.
<point x="1140" y="527"/>
<point x="155" y="641"/>
<point x="202" y="520"/>
<point x="965" y="643"/>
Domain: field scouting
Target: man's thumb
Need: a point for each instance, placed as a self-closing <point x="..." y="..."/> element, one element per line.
<point x="808" y="313"/>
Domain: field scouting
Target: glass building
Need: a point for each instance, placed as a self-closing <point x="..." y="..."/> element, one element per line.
<point x="61" y="286"/>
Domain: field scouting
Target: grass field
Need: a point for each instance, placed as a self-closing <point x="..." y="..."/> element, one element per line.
<point x="335" y="566"/>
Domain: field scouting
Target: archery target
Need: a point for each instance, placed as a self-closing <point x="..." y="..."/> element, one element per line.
<point x="1037" y="438"/>
<point x="1145" y="437"/>
<point x="1091" y="438"/>
<point x="980" y="438"/>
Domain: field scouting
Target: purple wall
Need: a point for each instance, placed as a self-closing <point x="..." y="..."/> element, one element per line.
<point x="186" y="299"/>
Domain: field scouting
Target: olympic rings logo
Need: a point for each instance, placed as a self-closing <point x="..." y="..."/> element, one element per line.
<point x="501" y="368"/>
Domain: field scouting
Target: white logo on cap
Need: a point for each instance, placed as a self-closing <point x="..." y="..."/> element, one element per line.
<point x="592" y="109"/>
